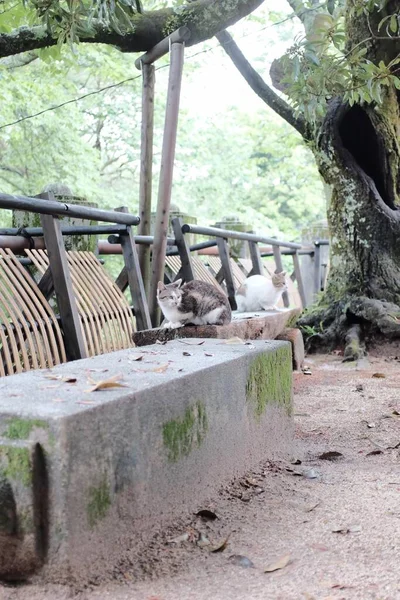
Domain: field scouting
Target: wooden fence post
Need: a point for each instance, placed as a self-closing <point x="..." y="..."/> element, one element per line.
<point x="223" y="249"/>
<point x="166" y="171"/>
<point x="146" y="168"/>
<point x="134" y="277"/>
<point x="75" y="346"/>
<point x="183" y="249"/>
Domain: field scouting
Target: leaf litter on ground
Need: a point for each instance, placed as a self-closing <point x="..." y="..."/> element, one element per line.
<point x="281" y="563"/>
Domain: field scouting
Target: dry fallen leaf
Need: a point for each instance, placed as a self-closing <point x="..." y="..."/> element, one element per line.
<point x="105" y="384"/>
<point x="206" y="514"/>
<point x="379" y="375"/>
<point x="374" y="452"/>
<point x="208" y="354"/>
<point x="179" y="539"/>
<point x="65" y="378"/>
<point x="241" y="561"/>
<point x="136" y="357"/>
<point x="278" y="564"/>
<point x="192" y="343"/>
<point x="85" y="402"/>
<point x="233" y="340"/>
<point x="221" y="546"/>
<point x="187" y="353"/>
<point x="350" y="529"/>
<point x="203" y="541"/>
<point x="332" y="455"/>
<point x="311" y="508"/>
<point x="160" y="369"/>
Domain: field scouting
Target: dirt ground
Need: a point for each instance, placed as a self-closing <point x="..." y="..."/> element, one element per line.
<point x="330" y="526"/>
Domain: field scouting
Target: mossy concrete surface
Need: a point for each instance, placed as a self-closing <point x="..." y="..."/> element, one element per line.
<point x="123" y="462"/>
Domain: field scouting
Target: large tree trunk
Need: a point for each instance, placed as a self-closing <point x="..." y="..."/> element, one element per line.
<point x="358" y="155"/>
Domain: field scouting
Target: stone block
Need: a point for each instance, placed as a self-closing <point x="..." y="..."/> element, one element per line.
<point x="295" y="337"/>
<point x="86" y="475"/>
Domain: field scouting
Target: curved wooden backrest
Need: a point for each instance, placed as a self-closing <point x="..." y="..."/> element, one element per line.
<point x="106" y="316"/>
<point x="30" y="337"/>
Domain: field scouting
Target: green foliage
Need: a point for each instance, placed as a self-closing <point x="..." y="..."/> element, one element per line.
<point x="229" y="162"/>
<point x="321" y="64"/>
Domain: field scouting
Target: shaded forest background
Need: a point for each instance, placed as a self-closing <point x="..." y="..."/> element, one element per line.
<point x="234" y="157"/>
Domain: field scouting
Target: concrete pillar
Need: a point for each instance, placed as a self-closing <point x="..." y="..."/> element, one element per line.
<point x="238" y="248"/>
<point x="176" y="212"/>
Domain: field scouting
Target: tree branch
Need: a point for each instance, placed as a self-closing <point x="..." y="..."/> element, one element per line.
<point x="259" y="86"/>
<point x="19" y="60"/>
<point x="204" y="18"/>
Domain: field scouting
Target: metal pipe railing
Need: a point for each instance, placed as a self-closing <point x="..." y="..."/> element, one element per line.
<point x="66" y="230"/>
<point x="237" y="235"/>
<point x="52" y="207"/>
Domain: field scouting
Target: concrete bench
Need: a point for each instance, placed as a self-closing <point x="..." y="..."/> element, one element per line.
<point x="87" y="474"/>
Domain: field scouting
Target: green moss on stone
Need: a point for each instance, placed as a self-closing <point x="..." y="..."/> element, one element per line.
<point x="180" y="436"/>
<point x="15" y="464"/>
<point x="292" y="320"/>
<point x="270" y="381"/>
<point x="99" y="502"/>
<point x="20" y="429"/>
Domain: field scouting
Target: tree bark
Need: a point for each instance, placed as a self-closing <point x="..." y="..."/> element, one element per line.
<point x="204" y="18"/>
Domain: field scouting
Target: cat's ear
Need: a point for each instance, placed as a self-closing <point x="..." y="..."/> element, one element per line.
<point x="161" y="286"/>
<point x="283" y="273"/>
<point x="177" y="283"/>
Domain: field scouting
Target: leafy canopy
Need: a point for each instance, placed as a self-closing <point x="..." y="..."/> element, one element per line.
<point x="323" y="63"/>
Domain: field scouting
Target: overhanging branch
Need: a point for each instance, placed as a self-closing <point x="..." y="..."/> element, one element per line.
<point x="259" y="86"/>
<point x="204" y="18"/>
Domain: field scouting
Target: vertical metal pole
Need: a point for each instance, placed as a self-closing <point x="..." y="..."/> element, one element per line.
<point x="146" y="169"/>
<point x="166" y="171"/>
<point x="258" y="268"/>
<point x="184" y="250"/>
<point x="279" y="268"/>
<point x="223" y="249"/>
<point x="299" y="279"/>
<point x="317" y="269"/>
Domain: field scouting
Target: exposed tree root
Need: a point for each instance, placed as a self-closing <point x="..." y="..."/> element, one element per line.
<point x="349" y="324"/>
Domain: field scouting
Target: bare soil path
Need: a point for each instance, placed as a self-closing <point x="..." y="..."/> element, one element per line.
<point x="335" y="520"/>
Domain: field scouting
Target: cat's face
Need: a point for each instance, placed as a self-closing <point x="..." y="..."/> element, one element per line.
<point x="169" y="295"/>
<point x="279" y="281"/>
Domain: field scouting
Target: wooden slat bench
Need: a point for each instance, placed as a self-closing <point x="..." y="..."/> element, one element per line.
<point x="105" y="314"/>
<point x="30" y="335"/>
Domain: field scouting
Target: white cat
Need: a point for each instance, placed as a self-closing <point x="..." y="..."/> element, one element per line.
<point x="260" y="293"/>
